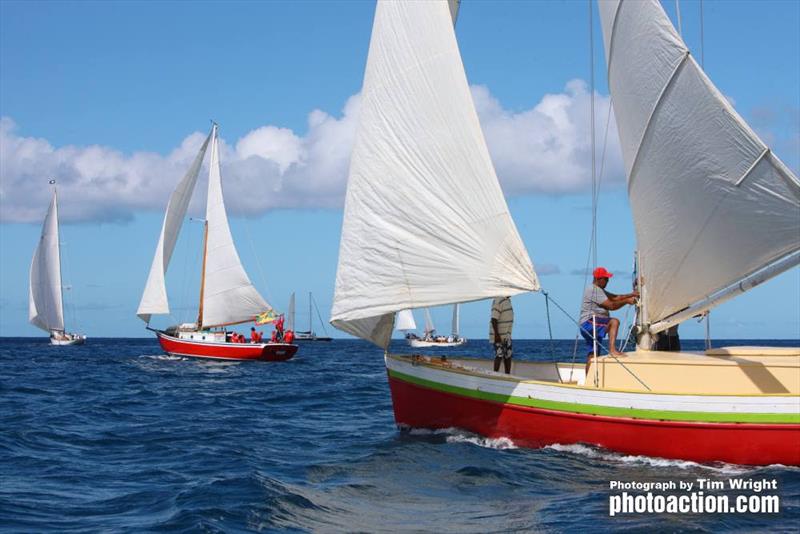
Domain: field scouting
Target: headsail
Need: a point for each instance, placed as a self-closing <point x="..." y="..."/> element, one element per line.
<point x="229" y="297"/>
<point x="711" y="203"/>
<point x="154" y="299"/>
<point x="425" y="220"/>
<point x="45" y="304"/>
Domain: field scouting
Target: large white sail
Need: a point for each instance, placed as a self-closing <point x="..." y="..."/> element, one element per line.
<point x="711" y="203"/>
<point x="45" y="305"/>
<point x="228" y="297"/>
<point x="154" y="298"/>
<point x="425" y="220"/>
<point x="405" y="320"/>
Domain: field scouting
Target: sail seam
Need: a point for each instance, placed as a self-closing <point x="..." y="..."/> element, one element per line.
<point x="751" y="167"/>
<point x="656" y="106"/>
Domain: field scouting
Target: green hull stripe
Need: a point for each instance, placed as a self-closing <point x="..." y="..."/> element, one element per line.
<point x="610" y="411"/>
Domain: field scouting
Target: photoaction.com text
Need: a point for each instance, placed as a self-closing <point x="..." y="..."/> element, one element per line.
<point x="694" y="497"/>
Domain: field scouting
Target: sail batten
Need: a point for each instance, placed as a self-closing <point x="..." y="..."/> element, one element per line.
<point x="45" y="300"/>
<point x="711" y="204"/>
<point x="425" y="222"/>
<point x="229" y="296"/>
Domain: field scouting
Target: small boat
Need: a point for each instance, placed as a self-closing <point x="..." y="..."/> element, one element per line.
<point x="715" y="212"/>
<point x="46" y="293"/>
<point x="429" y="339"/>
<point x="305" y="335"/>
<point x="227" y="297"/>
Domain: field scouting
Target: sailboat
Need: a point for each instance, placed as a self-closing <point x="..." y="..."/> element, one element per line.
<point x="709" y="200"/>
<point x="227" y="297"/>
<point x="45" y="291"/>
<point x="304" y="335"/>
<point x="430" y="339"/>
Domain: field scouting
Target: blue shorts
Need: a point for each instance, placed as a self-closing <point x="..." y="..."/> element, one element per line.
<point x="601" y="330"/>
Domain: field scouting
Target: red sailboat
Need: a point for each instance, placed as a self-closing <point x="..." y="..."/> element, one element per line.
<point x="227" y="296"/>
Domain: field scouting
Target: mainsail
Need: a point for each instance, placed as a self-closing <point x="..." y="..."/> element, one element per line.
<point x="425" y="220"/>
<point x="154" y="299"/>
<point x="454" y="326"/>
<point x="228" y="297"/>
<point x="290" y="313"/>
<point x="45" y="304"/>
<point x="405" y="320"/>
<point x="712" y="205"/>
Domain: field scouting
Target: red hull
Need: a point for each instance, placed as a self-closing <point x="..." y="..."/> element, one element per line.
<point x="272" y="352"/>
<point x="740" y="443"/>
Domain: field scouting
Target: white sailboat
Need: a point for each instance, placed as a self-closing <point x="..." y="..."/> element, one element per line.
<point x="227" y="297"/>
<point x="305" y="335"/>
<point x="45" y="290"/>
<point x="430" y="339"/>
<point x="710" y="202"/>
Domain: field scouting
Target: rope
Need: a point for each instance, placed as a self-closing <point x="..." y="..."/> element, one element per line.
<point x="678" y="10"/>
<point x="702" y="47"/>
<point x="600" y="344"/>
<point x="321" y="322"/>
<point x="258" y="260"/>
<point x="550" y="331"/>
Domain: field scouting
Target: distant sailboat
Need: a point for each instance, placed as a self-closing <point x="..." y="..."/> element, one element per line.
<point x="305" y="335"/>
<point x="45" y="292"/>
<point x="227" y="297"/>
<point x="715" y="212"/>
<point x="429" y="338"/>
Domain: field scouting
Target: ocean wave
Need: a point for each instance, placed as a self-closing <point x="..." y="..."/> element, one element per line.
<point x="650" y="461"/>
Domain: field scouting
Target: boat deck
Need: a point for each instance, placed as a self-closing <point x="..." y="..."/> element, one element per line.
<point x="731" y="370"/>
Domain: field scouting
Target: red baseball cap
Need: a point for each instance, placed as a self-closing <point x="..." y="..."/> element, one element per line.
<point x="601" y="272"/>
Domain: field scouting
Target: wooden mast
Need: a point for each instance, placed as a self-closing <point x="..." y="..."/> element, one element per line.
<point x="203" y="277"/>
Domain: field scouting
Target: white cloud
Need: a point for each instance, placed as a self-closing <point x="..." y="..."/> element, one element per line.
<point x="541" y="149"/>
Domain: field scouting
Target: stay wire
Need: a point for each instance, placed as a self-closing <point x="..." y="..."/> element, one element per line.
<point x="600" y="344"/>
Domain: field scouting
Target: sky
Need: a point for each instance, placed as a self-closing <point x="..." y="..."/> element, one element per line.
<point x="113" y="99"/>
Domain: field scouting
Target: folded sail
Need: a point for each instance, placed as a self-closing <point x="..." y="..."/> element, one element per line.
<point x="45" y="305"/>
<point x="711" y="203"/>
<point x="229" y="296"/>
<point x="425" y="221"/>
<point x="154" y="299"/>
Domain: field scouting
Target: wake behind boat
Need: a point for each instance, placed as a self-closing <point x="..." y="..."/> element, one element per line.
<point x="227" y="297"/>
<point x="45" y="290"/>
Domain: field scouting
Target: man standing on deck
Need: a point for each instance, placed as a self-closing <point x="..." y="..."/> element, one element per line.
<point x="597" y="302"/>
<point x="500" y="332"/>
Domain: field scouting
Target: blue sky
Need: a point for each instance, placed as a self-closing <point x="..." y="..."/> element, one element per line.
<point x="112" y="99"/>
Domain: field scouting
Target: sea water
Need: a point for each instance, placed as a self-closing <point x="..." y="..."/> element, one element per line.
<point x="116" y="436"/>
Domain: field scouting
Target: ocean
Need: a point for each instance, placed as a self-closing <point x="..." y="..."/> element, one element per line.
<point x="115" y="436"/>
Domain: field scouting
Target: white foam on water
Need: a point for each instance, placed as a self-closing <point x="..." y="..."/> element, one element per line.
<point x="651" y="461"/>
<point x="457" y="435"/>
<point x="165" y="357"/>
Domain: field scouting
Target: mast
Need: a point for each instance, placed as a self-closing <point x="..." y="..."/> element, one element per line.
<point x="58" y="240"/>
<point x="309" y="312"/>
<point x="203" y="277"/>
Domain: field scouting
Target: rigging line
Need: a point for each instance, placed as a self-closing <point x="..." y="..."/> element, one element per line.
<point x="258" y="260"/>
<point x="600" y="344"/>
<point x="550" y="331"/>
<point x="319" y="316"/>
<point x="592" y="131"/>
<point x="678" y="11"/>
<point x="702" y="46"/>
